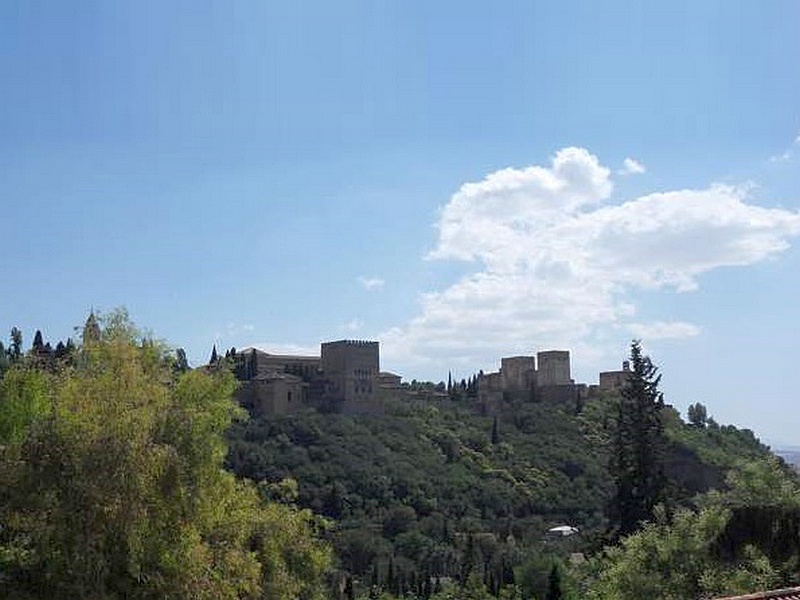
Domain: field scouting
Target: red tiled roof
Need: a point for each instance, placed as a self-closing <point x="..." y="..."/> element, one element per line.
<point x="784" y="594"/>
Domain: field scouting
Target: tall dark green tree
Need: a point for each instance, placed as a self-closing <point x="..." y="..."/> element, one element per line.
<point x="554" y="584"/>
<point x="181" y="363"/>
<point x="15" y="349"/>
<point x="4" y="360"/>
<point x="38" y="342"/>
<point x="638" y="447"/>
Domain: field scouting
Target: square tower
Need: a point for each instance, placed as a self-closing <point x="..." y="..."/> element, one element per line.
<point x="553" y="368"/>
<point x="351" y="368"/>
<point x="518" y="373"/>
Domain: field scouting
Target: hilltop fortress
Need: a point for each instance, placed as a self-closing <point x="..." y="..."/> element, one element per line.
<point x="543" y="378"/>
<point x="346" y="377"/>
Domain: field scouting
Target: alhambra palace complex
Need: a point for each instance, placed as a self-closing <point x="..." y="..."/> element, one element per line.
<point x="346" y="377"/>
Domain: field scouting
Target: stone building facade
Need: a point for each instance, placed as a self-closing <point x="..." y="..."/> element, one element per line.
<point x="553" y="368"/>
<point x="615" y="380"/>
<point x="351" y="368"/>
<point x="273" y="393"/>
<point x="518" y="372"/>
<point x="543" y="378"/>
<point x="345" y="376"/>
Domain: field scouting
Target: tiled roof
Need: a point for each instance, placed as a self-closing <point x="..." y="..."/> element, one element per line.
<point x="784" y="594"/>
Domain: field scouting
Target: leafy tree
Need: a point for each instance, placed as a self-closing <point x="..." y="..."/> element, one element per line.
<point x="638" y="447"/>
<point x="740" y="540"/>
<point x="760" y="482"/>
<point x="698" y="415"/>
<point x="22" y="400"/>
<point x="111" y="486"/>
<point x="673" y="558"/>
<point x="495" y="433"/>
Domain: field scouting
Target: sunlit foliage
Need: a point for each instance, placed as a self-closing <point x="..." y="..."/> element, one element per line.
<point x="112" y="486"/>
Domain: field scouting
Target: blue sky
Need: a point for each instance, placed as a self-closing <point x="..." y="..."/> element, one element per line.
<point x="460" y="180"/>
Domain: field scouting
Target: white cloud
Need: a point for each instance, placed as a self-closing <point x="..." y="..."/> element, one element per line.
<point x="232" y="329"/>
<point x="371" y="283"/>
<point x="662" y="330"/>
<point x="781" y="158"/>
<point x="555" y="267"/>
<point x="788" y="154"/>
<point x="353" y="325"/>
<point x="631" y="166"/>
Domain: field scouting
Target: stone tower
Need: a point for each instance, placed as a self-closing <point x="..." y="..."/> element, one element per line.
<point x="518" y="373"/>
<point x="553" y="368"/>
<point x="351" y="368"/>
<point x="91" y="329"/>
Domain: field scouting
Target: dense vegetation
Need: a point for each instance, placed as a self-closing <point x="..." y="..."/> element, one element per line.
<point x="432" y="490"/>
<point x="111" y="483"/>
<point x="112" y="486"/>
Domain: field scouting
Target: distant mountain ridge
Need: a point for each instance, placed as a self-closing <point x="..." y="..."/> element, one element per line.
<point x="791" y="454"/>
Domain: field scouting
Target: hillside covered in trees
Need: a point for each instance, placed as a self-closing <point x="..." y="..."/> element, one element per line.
<point x="125" y="474"/>
<point x="432" y="488"/>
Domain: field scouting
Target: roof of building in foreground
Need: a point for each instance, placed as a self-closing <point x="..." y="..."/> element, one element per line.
<point x="784" y="594"/>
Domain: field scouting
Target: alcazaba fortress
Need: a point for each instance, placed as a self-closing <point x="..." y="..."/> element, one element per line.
<point x="346" y="377"/>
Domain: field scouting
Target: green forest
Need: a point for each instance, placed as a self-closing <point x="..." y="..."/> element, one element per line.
<point x="126" y="474"/>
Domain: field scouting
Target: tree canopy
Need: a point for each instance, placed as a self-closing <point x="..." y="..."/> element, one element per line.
<point x="112" y="486"/>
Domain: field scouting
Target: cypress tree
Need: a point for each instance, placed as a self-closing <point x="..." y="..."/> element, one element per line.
<point x="637" y="456"/>
<point x="15" y="349"/>
<point x="181" y="362"/>
<point x="554" y="585"/>
<point x="4" y="360"/>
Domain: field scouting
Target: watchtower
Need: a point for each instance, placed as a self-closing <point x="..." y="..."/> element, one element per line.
<point x="351" y="368"/>
<point x="553" y="368"/>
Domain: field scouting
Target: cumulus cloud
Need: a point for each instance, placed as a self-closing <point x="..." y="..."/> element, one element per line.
<point x="631" y="166"/>
<point x="556" y="265"/>
<point x="352" y="326"/>
<point x="371" y="283"/>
